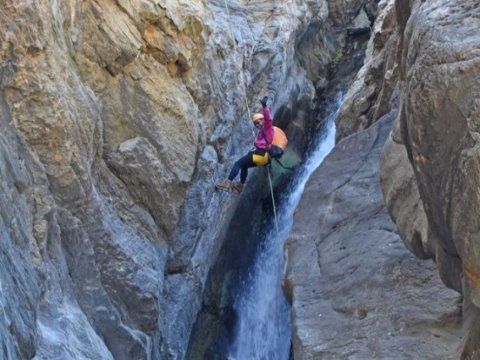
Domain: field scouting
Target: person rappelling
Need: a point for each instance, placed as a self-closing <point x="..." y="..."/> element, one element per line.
<point x="258" y="155"/>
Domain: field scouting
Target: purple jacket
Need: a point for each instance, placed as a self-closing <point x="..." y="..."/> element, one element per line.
<point x="265" y="136"/>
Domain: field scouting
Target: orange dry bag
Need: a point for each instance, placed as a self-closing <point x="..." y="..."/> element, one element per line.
<point x="279" y="143"/>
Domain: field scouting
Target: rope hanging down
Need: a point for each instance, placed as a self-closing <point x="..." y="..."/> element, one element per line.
<point x="273" y="200"/>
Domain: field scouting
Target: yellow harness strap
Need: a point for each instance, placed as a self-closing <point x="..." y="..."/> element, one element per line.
<point x="260" y="159"/>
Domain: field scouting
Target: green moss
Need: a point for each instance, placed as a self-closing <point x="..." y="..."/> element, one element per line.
<point x="337" y="56"/>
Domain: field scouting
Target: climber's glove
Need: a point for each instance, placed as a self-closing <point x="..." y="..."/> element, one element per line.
<point x="264" y="101"/>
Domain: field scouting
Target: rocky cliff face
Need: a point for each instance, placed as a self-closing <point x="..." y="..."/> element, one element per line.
<point x="422" y="63"/>
<point x="356" y="292"/>
<point x="439" y="116"/>
<point x="117" y="119"/>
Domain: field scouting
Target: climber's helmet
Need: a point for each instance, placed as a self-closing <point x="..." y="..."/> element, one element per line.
<point x="257" y="120"/>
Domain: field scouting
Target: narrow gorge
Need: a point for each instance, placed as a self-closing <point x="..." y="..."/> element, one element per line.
<point x="119" y="117"/>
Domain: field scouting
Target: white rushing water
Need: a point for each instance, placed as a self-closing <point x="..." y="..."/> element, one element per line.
<point x="263" y="313"/>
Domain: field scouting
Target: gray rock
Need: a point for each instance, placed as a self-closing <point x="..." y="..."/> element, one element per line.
<point x="401" y="196"/>
<point x="371" y="94"/>
<point x="361" y="21"/>
<point x="439" y="123"/>
<point x="117" y="119"/>
<point x="349" y="277"/>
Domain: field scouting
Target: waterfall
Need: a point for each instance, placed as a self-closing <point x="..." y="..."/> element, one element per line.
<point x="262" y="311"/>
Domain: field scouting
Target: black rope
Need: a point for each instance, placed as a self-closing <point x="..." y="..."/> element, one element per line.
<point x="273" y="200"/>
<point x="283" y="166"/>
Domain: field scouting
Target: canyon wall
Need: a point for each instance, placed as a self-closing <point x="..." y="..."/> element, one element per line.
<point x="422" y="69"/>
<point x="438" y="119"/>
<point x="117" y="118"/>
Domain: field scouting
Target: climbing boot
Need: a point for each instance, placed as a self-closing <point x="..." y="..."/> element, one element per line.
<point x="226" y="185"/>
<point x="237" y="186"/>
